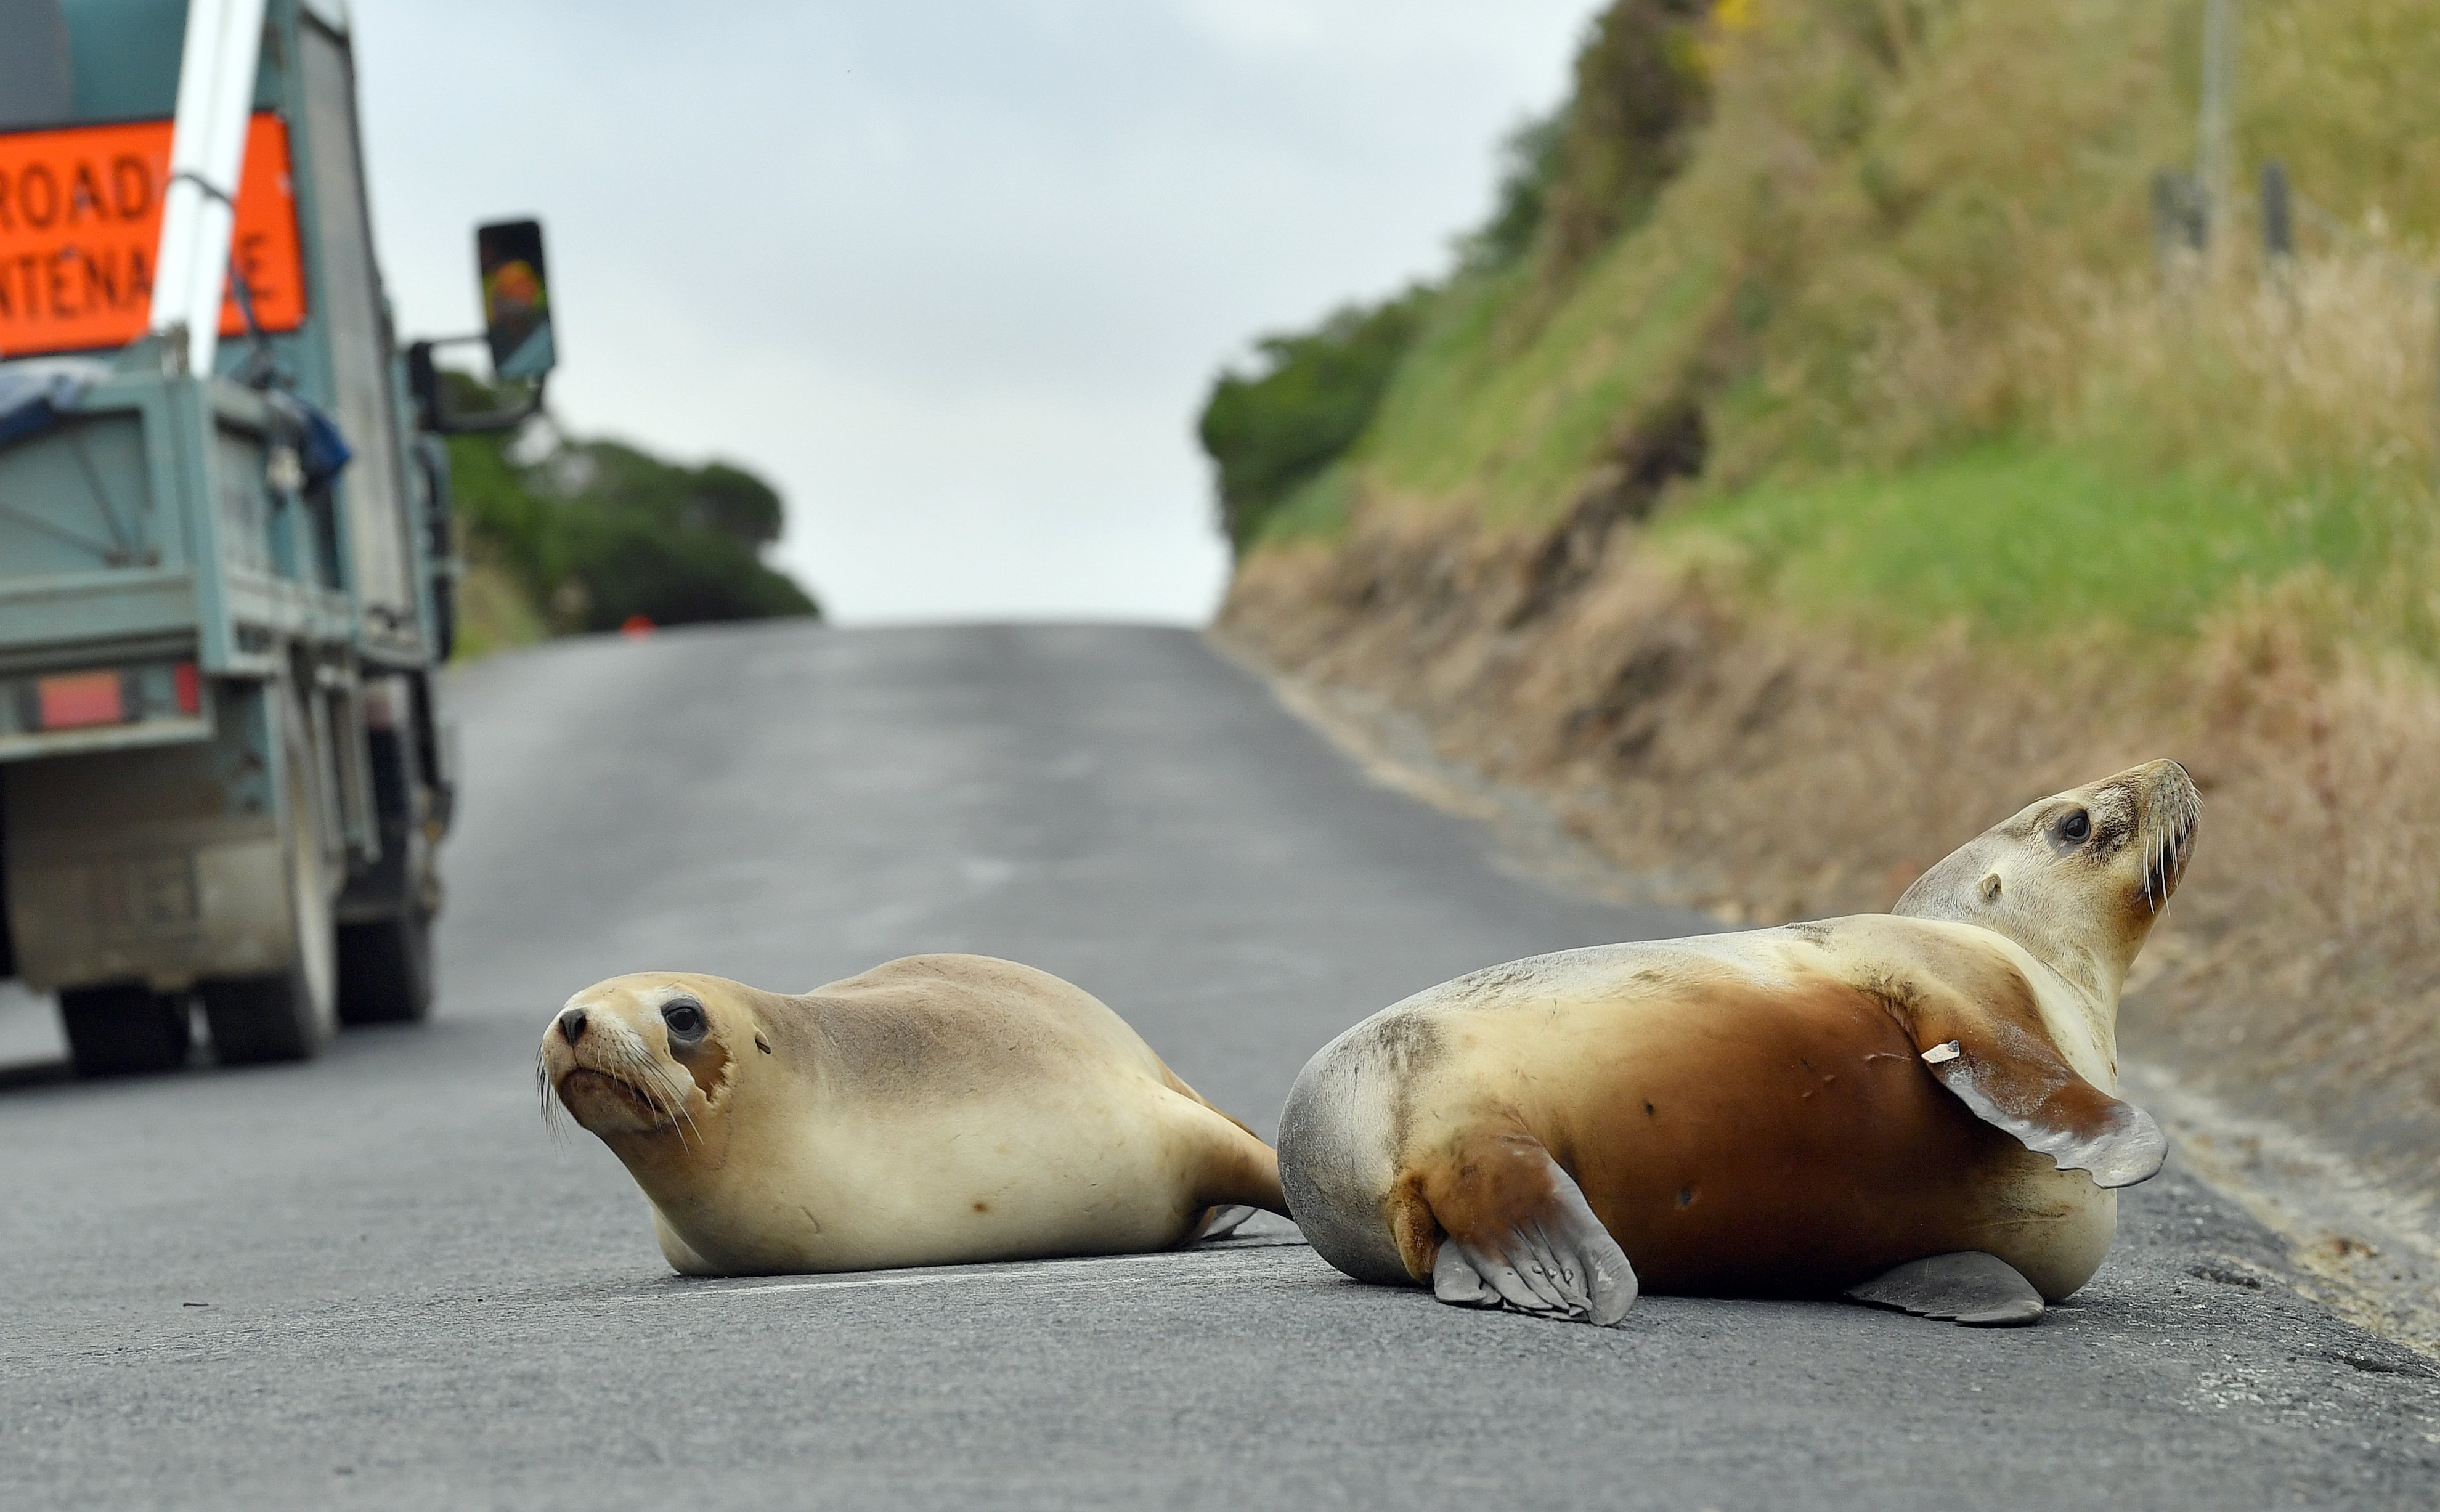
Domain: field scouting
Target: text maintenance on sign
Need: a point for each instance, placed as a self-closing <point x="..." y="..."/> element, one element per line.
<point x="80" y="222"/>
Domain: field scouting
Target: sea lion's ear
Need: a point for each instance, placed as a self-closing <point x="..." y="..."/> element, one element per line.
<point x="1984" y="1037"/>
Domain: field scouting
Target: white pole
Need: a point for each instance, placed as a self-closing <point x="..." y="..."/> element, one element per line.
<point x="207" y="151"/>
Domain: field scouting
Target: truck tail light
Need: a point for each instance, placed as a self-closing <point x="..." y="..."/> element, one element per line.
<point x="89" y="707"/>
<point x="78" y="700"/>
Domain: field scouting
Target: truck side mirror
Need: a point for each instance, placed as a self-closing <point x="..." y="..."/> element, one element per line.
<point x="516" y="299"/>
<point x="516" y="328"/>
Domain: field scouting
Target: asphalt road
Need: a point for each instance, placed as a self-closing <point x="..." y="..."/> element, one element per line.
<point x="372" y="1281"/>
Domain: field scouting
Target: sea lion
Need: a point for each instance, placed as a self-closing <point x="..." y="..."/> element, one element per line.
<point x="1913" y="1109"/>
<point x="934" y="1110"/>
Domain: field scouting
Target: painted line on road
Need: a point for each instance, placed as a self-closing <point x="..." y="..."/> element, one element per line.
<point x="1058" y="1272"/>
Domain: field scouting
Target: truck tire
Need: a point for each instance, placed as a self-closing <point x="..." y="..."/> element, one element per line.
<point x="124" y="1031"/>
<point x="385" y="969"/>
<point x="288" y="1014"/>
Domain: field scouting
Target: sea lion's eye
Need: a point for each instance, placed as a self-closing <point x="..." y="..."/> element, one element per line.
<point x="685" y="1019"/>
<point x="2077" y="828"/>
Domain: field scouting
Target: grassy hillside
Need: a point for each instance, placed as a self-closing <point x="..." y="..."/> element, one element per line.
<point x="1893" y="262"/>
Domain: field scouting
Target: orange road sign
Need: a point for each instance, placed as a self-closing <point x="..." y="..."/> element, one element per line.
<point x="80" y="222"/>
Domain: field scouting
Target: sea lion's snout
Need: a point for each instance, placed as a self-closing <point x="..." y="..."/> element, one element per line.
<point x="2135" y="829"/>
<point x="603" y="1060"/>
<point x="2172" y="816"/>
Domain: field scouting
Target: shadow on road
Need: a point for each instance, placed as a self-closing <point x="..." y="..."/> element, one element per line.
<point x="30" y="1074"/>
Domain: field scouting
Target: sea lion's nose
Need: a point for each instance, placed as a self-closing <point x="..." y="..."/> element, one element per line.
<point x="571" y="1025"/>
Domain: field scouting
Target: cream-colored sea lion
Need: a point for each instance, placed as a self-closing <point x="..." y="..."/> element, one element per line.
<point x="934" y="1110"/>
<point x="1912" y="1109"/>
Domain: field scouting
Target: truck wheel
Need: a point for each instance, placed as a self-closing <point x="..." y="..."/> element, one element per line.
<point x="124" y="1031"/>
<point x="287" y="1015"/>
<point x="385" y="969"/>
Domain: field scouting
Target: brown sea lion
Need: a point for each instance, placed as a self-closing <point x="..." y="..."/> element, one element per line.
<point x="934" y="1110"/>
<point x="1914" y="1109"/>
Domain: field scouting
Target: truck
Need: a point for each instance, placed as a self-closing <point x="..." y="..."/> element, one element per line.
<point x="227" y="564"/>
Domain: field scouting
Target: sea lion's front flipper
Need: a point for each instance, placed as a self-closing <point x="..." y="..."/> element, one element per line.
<point x="1519" y="1234"/>
<point x="2016" y="1081"/>
<point x="1970" y="1287"/>
<point x="1979" y="1030"/>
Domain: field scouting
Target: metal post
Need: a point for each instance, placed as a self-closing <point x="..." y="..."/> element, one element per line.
<point x="2278" y="214"/>
<point x="2212" y="150"/>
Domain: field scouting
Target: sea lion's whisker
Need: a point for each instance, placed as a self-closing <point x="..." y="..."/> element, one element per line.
<point x="662" y="1101"/>
<point x="681" y="1091"/>
<point x="672" y="1091"/>
<point x="547" y="1095"/>
<point x="634" y="1072"/>
<point x="644" y="1077"/>
<point x="653" y="1081"/>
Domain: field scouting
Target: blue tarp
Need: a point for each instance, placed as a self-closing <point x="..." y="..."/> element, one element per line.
<point x="35" y="394"/>
<point x="322" y="449"/>
<point x="325" y="450"/>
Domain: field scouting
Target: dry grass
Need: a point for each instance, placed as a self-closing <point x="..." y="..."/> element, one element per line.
<point x="493" y="612"/>
<point x="1774" y="770"/>
<point x="2313" y="980"/>
<point x="2322" y="367"/>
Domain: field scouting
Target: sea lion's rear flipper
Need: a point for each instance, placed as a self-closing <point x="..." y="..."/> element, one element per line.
<point x="1240" y="1171"/>
<point x="1519" y="1234"/>
<point x="1980" y="1031"/>
<point x="1970" y="1287"/>
<point x="1220" y="1222"/>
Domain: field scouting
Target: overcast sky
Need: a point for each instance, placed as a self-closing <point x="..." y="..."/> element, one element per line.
<point x="953" y="276"/>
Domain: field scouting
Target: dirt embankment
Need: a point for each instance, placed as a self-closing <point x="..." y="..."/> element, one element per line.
<point x="1769" y="769"/>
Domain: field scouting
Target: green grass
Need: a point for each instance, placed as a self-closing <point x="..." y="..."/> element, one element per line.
<point x="1508" y="422"/>
<point x="1318" y="510"/>
<point x="2020" y="538"/>
<point x="493" y="612"/>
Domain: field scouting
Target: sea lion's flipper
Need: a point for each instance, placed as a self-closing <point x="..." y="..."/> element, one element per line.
<point x="1220" y="1222"/>
<point x="1979" y="1030"/>
<point x="1177" y="1084"/>
<point x="1233" y="1168"/>
<point x="1977" y="1289"/>
<point x="2020" y="1083"/>
<point x="1239" y="1169"/>
<point x="1519" y="1234"/>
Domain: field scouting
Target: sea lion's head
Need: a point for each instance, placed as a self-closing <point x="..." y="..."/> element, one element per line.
<point x="654" y="1055"/>
<point x="2078" y="878"/>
